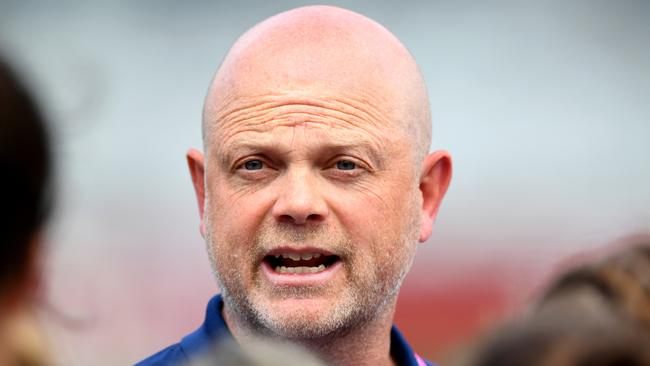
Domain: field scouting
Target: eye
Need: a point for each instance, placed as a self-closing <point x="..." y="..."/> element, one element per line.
<point x="345" y="165"/>
<point x="253" y="165"/>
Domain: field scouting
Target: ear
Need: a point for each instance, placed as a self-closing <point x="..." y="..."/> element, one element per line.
<point x="436" y="174"/>
<point x="197" y="171"/>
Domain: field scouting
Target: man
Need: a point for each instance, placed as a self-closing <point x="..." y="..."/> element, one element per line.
<point x="315" y="187"/>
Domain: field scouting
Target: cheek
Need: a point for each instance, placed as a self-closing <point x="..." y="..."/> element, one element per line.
<point x="384" y="225"/>
<point x="235" y="220"/>
<point x="233" y="210"/>
<point x="382" y="212"/>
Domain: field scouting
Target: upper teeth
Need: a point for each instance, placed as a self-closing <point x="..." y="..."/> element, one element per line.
<point x="297" y="257"/>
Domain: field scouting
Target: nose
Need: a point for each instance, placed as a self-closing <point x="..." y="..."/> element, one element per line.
<point x="300" y="199"/>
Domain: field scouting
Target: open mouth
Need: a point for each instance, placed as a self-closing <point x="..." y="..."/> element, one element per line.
<point x="300" y="263"/>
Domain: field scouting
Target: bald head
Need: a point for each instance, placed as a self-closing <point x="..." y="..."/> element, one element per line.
<point x="316" y="133"/>
<point x="324" y="53"/>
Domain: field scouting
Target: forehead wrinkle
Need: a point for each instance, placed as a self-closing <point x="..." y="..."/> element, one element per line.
<point x="339" y="138"/>
<point x="252" y="133"/>
<point x="263" y="114"/>
<point x="361" y="108"/>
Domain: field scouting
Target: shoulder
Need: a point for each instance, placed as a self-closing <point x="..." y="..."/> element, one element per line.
<point x="212" y="330"/>
<point x="170" y="356"/>
<point x="402" y="353"/>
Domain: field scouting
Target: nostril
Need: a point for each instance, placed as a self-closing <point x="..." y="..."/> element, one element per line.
<point x="299" y="209"/>
<point x="314" y="217"/>
<point x="285" y="218"/>
<point x="296" y="220"/>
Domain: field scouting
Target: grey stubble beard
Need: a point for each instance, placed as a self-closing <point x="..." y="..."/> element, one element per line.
<point x="360" y="302"/>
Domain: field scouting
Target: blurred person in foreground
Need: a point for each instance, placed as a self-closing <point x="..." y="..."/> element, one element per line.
<point x="25" y="167"/>
<point x="596" y="314"/>
<point x="260" y="352"/>
<point x="315" y="188"/>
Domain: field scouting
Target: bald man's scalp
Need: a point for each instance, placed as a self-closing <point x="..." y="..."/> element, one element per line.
<point x="319" y="48"/>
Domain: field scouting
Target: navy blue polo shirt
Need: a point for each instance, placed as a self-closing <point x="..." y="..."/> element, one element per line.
<point x="214" y="329"/>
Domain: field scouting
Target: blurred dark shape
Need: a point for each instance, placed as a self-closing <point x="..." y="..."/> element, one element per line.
<point x="25" y="166"/>
<point x="596" y="314"/>
<point x="260" y="352"/>
<point x="621" y="281"/>
<point x="557" y="339"/>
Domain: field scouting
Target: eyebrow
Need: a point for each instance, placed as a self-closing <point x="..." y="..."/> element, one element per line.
<point x="266" y="145"/>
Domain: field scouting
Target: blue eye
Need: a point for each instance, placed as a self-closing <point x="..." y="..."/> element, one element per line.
<point x="253" y="165"/>
<point x="345" y="165"/>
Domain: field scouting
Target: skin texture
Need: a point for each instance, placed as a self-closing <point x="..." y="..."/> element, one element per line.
<point x="316" y="132"/>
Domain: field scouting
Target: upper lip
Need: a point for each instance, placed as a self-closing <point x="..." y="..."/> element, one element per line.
<point x="298" y="251"/>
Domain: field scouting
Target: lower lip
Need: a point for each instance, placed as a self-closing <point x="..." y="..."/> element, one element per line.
<point x="300" y="279"/>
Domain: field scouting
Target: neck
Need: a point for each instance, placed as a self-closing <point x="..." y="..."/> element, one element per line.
<point x="366" y="344"/>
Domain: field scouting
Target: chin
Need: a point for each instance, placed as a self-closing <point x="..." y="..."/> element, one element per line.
<point x="304" y="319"/>
<point x="300" y="329"/>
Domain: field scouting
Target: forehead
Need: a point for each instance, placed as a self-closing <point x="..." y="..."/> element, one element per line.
<point x="319" y="66"/>
<point x="339" y="119"/>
